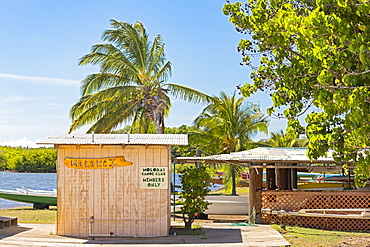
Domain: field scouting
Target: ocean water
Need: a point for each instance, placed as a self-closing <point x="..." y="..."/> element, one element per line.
<point x="41" y="181"/>
<point x="178" y="182"/>
<point x="36" y="181"/>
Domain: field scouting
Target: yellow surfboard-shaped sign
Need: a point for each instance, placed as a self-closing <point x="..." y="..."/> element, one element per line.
<point x="96" y="163"/>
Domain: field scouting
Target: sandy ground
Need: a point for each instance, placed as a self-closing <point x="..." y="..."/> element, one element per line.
<point x="215" y="234"/>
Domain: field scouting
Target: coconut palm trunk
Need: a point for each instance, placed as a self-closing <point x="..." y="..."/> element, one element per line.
<point x="233" y="178"/>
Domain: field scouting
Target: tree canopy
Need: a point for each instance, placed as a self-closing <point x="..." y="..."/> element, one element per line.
<point x="312" y="54"/>
<point x="131" y="85"/>
<point x="28" y="159"/>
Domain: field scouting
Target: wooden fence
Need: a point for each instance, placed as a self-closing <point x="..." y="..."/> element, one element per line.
<point x="294" y="201"/>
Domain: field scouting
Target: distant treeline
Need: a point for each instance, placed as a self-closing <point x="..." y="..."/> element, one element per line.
<point x="28" y="159"/>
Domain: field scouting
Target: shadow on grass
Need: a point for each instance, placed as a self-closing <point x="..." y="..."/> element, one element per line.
<point x="182" y="231"/>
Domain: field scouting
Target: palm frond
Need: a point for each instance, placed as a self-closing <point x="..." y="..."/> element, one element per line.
<point x="231" y="121"/>
<point x="164" y="72"/>
<point x="131" y="38"/>
<point x="131" y="84"/>
<point x="109" y="58"/>
<point x="96" y="82"/>
<point x="91" y="108"/>
<point x="187" y="94"/>
<point x="156" y="55"/>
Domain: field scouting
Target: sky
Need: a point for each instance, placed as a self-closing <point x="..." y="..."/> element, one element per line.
<point x="42" y="41"/>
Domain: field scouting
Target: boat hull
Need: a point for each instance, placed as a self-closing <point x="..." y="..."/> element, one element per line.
<point x="46" y="200"/>
<point x="228" y="205"/>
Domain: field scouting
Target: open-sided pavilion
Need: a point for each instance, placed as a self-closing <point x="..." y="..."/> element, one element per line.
<point x="281" y="194"/>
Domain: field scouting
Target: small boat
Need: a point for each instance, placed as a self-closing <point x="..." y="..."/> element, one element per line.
<point x="220" y="205"/>
<point x="339" y="178"/>
<point x="227" y="205"/>
<point x="321" y="186"/>
<point x="43" y="197"/>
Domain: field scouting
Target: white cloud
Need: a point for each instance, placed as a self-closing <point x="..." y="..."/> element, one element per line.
<point x="43" y="80"/>
<point x="24" y="142"/>
<point x="13" y="99"/>
<point x="18" y="98"/>
<point x="43" y="117"/>
<point x="11" y="111"/>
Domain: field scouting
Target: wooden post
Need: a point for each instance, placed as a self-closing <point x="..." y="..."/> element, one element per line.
<point x="294" y="178"/>
<point x="255" y="188"/>
<point x="282" y="180"/>
<point x="289" y="178"/>
<point x="271" y="179"/>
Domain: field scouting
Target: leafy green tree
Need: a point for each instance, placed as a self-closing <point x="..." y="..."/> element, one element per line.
<point x="131" y="85"/>
<point x="195" y="183"/>
<point x="28" y="159"/>
<point x="227" y="125"/>
<point x="13" y="157"/>
<point x="3" y="161"/>
<point x="312" y="53"/>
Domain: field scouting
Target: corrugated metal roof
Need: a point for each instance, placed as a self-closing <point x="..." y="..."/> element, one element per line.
<point x="262" y="155"/>
<point x="132" y="139"/>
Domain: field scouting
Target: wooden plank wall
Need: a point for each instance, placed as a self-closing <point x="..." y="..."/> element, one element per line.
<point x="112" y="196"/>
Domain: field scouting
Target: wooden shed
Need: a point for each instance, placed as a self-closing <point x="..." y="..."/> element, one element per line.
<point x="114" y="184"/>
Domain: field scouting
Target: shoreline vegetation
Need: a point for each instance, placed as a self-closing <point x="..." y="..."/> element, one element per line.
<point x="30" y="160"/>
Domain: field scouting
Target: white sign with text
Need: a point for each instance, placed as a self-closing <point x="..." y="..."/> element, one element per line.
<point x="153" y="178"/>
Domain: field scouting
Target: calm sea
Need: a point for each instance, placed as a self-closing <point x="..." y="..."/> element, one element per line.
<point x="36" y="181"/>
<point x="39" y="181"/>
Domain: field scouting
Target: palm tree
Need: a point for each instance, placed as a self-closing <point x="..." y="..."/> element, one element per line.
<point x="228" y="125"/>
<point x="282" y="139"/>
<point x="131" y="84"/>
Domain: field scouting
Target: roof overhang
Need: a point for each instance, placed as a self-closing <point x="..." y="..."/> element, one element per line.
<point x="268" y="158"/>
<point x="120" y="139"/>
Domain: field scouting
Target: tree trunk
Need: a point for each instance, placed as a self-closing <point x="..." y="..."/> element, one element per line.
<point x="189" y="222"/>
<point x="162" y="123"/>
<point x="158" y="122"/>
<point x="159" y="130"/>
<point x="233" y="180"/>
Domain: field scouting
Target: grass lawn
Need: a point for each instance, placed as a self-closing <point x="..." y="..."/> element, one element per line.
<point x="30" y="215"/>
<point x="307" y="237"/>
<point x="241" y="191"/>
<point x="180" y="230"/>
